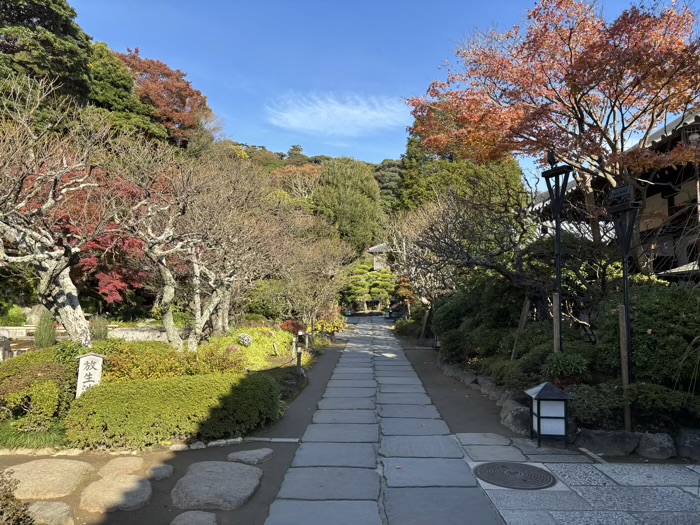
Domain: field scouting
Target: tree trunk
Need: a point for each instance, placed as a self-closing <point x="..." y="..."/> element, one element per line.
<point x="168" y="298"/>
<point x="591" y="209"/>
<point x="59" y="294"/>
<point x="225" y="309"/>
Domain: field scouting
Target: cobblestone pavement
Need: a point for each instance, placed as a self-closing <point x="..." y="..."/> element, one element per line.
<point x="378" y="453"/>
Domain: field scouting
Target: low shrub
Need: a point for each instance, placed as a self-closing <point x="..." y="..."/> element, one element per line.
<point x="259" y="354"/>
<point x="665" y="321"/>
<point x="39" y="402"/>
<point x="406" y="326"/>
<point x="99" y="328"/>
<point x="597" y="407"/>
<point x="127" y="361"/>
<point x="293" y="327"/>
<point x="564" y="365"/>
<point x="213" y="358"/>
<point x="506" y="372"/>
<point x="14" y="316"/>
<point x="45" y="333"/>
<point x="453" y="346"/>
<point x="12" y="510"/>
<point x="255" y="320"/>
<point x="450" y="314"/>
<point x="140" y="414"/>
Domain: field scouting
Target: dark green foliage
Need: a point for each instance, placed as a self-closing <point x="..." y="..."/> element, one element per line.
<point x="665" y="321"/>
<point x="450" y="314"/>
<point x="365" y="285"/>
<point x="348" y="197"/>
<point x="45" y="333"/>
<point x="389" y="176"/>
<point x="564" y="365"/>
<point x="12" y="510"/>
<point x="13" y="316"/>
<point x="140" y="414"/>
<point x="598" y="407"/>
<point x="41" y="39"/>
<point x="453" y="346"/>
<point x="99" y="328"/>
<point x="36" y="387"/>
<point x="267" y="298"/>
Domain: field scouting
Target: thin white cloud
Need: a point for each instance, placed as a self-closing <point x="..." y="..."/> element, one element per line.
<point x="328" y="114"/>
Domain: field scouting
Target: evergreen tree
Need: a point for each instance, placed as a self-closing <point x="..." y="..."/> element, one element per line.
<point x="41" y="39"/>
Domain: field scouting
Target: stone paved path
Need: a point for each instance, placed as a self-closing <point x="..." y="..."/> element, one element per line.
<point x="377" y="452"/>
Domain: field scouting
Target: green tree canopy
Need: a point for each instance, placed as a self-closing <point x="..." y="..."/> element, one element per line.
<point x="348" y="196"/>
<point x="390" y="175"/>
<point x="41" y="39"/>
<point x="364" y="284"/>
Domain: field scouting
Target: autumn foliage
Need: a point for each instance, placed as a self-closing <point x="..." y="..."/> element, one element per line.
<point x="178" y="106"/>
<point x="571" y="82"/>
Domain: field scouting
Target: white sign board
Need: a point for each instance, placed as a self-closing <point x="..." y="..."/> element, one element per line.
<point x="89" y="372"/>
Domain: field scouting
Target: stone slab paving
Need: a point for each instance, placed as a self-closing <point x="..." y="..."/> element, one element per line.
<point x="378" y="453"/>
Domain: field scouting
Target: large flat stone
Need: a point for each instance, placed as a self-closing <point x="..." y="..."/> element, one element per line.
<point x="116" y="493"/>
<point x="413" y="427"/>
<point x="482" y="438"/>
<point x="575" y="475"/>
<point x="529" y="447"/>
<point x="593" y="517"/>
<point x="352" y="383"/>
<point x="347" y="377"/>
<point x="389" y="363"/>
<point x="526" y="517"/>
<point x="195" y="517"/>
<point x="51" y="513"/>
<point x="427" y="472"/>
<point x="420" y="447"/>
<point x="252" y="457"/>
<point x="345" y="416"/>
<point x="341" y="370"/>
<point x="344" y="403"/>
<point x="286" y="512"/>
<point x="409" y="411"/>
<point x="640" y="499"/>
<point x="349" y="392"/>
<point x="494" y="453"/>
<point x="651" y="475"/>
<point x="363" y="455"/>
<point x="538" y="500"/>
<point x="396" y="373"/>
<point x="398" y="381"/>
<point x="402" y="399"/>
<point x="666" y="518"/>
<point x="216" y="485"/>
<point x="393" y="368"/>
<point x="393" y="389"/>
<point x="49" y="478"/>
<point x="341" y="433"/>
<point x="443" y="506"/>
<point x="121" y="466"/>
<point x="559" y="458"/>
<point x="330" y="483"/>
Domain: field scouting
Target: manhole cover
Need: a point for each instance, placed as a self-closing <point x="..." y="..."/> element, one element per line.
<point x="514" y="476"/>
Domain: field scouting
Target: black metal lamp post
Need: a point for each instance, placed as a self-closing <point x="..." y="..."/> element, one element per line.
<point x="557" y="179"/>
<point x="624" y="210"/>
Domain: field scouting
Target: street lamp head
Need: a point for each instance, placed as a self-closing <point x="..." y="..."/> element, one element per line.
<point x="557" y="180"/>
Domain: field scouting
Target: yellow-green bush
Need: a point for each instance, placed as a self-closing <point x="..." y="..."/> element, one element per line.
<point x="14" y="316"/>
<point x="144" y="413"/>
<point x="259" y="353"/>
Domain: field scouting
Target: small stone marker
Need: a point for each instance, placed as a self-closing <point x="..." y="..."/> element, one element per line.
<point x="89" y="372"/>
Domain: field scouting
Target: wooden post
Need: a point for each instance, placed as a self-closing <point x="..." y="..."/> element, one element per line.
<point x="556" y="305"/>
<point x="624" y="365"/>
<point x="274" y="346"/>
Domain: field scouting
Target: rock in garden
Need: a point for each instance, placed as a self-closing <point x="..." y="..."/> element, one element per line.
<point x="198" y="445"/>
<point x="216" y="485"/>
<point x="656" y="446"/>
<point x="518" y="421"/>
<point x="121" y="466"/>
<point x="49" y="478"/>
<point x="116" y="493"/>
<point x="508" y="407"/>
<point x="195" y="517"/>
<point x="505" y="396"/>
<point x="51" y="513"/>
<point x="158" y="472"/>
<point x="178" y="447"/>
<point x="252" y="457"/>
<point x="688" y="443"/>
<point x="608" y="443"/>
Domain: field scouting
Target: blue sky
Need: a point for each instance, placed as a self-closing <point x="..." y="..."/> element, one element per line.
<point x="330" y="76"/>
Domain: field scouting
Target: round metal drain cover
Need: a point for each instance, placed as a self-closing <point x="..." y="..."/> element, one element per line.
<point x="514" y="476"/>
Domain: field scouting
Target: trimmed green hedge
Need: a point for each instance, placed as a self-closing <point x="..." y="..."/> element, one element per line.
<point x="140" y="414"/>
